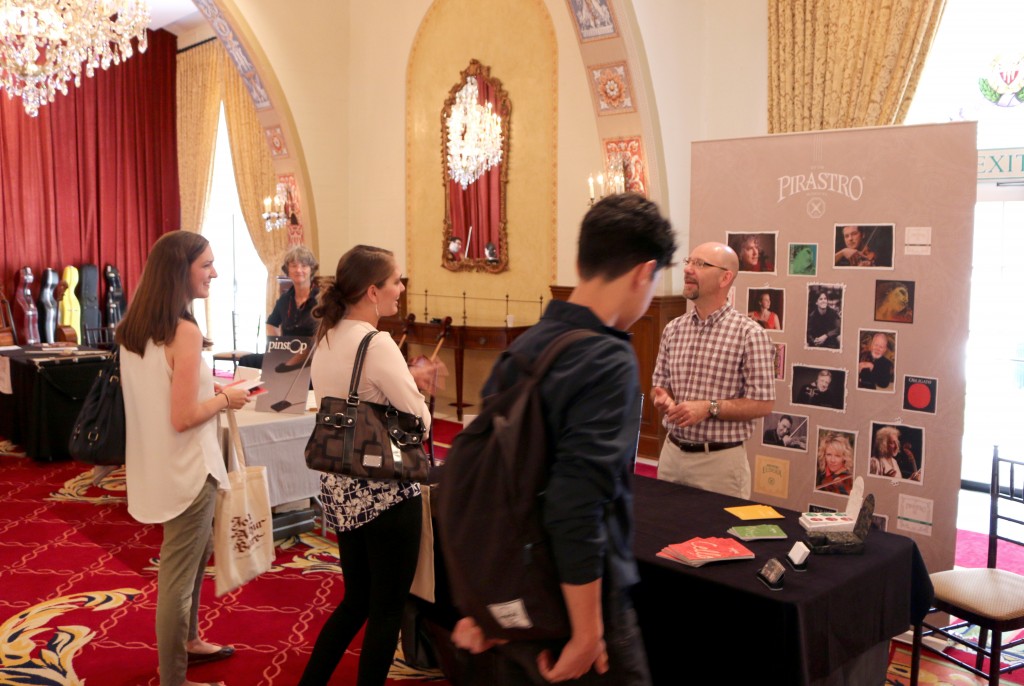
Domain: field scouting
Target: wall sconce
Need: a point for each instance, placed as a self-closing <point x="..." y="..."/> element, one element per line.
<point x="612" y="183"/>
<point x="275" y="209"/>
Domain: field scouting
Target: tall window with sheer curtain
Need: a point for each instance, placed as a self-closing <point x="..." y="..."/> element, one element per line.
<point x="973" y="39"/>
<point x="234" y="312"/>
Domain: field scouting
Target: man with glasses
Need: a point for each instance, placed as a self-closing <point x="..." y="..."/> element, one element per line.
<point x="714" y="376"/>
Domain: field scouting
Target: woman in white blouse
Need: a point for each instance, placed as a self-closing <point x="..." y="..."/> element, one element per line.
<point x="378" y="522"/>
<point x="173" y="459"/>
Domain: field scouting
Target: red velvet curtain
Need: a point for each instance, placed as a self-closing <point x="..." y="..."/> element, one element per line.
<point x="479" y="205"/>
<point x="94" y="178"/>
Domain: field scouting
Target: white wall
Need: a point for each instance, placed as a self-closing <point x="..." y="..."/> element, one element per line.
<point x="342" y="66"/>
<point x="708" y="63"/>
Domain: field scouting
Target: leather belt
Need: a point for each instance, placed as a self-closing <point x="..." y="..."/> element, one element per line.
<point x="702" y="447"/>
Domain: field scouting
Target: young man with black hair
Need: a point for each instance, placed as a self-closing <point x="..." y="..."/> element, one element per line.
<point x="592" y="401"/>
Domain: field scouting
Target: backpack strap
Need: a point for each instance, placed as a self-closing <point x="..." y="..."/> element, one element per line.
<point x="357" y="368"/>
<point x="555" y="348"/>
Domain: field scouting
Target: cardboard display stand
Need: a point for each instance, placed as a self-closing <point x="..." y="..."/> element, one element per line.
<point x="285" y="375"/>
<point x="868" y="231"/>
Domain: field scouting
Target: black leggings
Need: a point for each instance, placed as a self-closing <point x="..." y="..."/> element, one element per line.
<point x="378" y="562"/>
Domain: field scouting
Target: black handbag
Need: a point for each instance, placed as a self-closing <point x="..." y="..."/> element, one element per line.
<point x="367" y="440"/>
<point x="98" y="435"/>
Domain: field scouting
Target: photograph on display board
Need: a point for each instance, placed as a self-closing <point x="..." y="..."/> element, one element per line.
<point x="876" y="362"/>
<point x="767" y="307"/>
<point x="834" y="466"/>
<point x="819" y="387"/>
<point x="824" y="316"/>
<point x="779" y="360"/>
<point x="756" y="251"/>
<point x="920" y="393"/>
<point x="803" y="259"/>
<point x="897" y="452"/>
<point x="894" y="301"/>
<point x="864" y="245"/>
<point x="787" y="431"/>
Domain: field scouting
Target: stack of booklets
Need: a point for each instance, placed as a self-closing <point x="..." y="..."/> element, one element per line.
<point x="699" y="551"/>
<point x="827" y="521"/>
<point x="756" y="532"/>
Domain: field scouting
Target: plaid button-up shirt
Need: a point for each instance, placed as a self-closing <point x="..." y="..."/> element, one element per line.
<point x="728" y="355"/>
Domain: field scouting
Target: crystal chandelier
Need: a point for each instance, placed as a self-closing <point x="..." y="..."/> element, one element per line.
<point x="46" y="43"/>
<point x="474" y="136"/>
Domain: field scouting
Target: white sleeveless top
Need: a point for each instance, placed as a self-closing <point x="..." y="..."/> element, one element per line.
<point x="165" y="469"/>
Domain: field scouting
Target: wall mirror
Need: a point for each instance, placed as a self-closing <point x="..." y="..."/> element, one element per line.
<point x="474" y="163"/>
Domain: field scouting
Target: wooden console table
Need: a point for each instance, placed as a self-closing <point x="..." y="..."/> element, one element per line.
<point x="459" y="339"/>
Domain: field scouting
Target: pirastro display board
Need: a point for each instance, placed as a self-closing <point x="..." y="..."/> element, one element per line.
<point x="911" y="191"/>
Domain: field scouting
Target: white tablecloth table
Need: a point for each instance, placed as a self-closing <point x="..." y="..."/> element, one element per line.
<point x="278" y="441"/>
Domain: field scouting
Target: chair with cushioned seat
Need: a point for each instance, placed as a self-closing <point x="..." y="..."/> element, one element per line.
<point x="234" y="356"/>
<point x="989" y="598"/>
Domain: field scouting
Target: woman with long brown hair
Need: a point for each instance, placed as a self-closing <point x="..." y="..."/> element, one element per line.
<point x="378" y="522"/>
<point x="173" y="458"/>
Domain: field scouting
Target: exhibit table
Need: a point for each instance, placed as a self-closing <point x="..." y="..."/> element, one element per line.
<point x="46" y="393"/>
<point x="821" y="625"/>
<point x="278" y="442"/>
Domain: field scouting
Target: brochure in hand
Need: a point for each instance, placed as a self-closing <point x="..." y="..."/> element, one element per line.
<point x="757" y="532"/>
<point x="699" y="551"/>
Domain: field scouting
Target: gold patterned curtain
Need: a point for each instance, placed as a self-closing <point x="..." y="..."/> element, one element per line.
<point x="254" y="175"/>
<point x="837" y="64"/>
<point x="199" y="95"/>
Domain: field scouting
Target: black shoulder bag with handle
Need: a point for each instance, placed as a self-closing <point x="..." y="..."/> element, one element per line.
<point x="98" y="435"/>
<point x="367" y="440"/>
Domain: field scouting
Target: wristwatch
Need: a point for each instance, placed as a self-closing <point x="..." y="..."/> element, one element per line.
<point x="713" y="410"/>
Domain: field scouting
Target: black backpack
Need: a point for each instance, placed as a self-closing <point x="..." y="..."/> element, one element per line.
<point x="497" y="554"/>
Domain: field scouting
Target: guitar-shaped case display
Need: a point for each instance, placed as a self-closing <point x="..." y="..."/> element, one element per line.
<point x="26" y="316"/>
<point x="89" y="297"/>
<point x="47" y="306"/>
<point x="115" y="296"/>
<point x="8" y="336"/>
<point x="70" y="308"/>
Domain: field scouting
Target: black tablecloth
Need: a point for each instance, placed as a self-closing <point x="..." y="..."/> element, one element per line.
<point x="723" y="617"/>
<point x="46" y="398"/>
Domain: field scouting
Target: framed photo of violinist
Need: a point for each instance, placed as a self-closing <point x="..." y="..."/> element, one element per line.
<point x="864" y="246"/>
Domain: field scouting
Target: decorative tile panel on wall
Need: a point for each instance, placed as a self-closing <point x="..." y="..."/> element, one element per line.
<point x="260" y="98"/>
<point x="275" y="139"/>
<point x="612" y="88"/>
<point x="629" y="150"/>
<point x="594" y="19"/>
<point x="295" y="232"/>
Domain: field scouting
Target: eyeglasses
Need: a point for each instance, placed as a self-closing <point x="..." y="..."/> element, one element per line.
<point x="698" y="263"/>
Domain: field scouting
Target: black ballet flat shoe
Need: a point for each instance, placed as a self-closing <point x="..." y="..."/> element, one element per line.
<point x="202" y="658"/>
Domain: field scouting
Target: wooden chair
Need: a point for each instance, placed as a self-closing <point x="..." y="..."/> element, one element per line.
<point x="990" y="598"/>
<point x="233" y="356"/>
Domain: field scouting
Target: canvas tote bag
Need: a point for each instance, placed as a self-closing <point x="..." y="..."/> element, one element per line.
<point x="243" y="531"/>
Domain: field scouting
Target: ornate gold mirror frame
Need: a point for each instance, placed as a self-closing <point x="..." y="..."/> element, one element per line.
<point x="475" y="228"/>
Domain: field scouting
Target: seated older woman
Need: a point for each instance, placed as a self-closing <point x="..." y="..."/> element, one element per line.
<point x="293" y="312"/>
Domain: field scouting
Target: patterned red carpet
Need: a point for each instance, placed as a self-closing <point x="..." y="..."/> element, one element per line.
<point x="78" y="592"/>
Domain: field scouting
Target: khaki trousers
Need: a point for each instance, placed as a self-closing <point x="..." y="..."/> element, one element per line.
<point x="187" y="545"/>
<point x="722" y="471"/>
